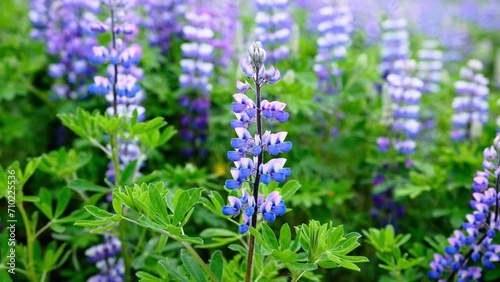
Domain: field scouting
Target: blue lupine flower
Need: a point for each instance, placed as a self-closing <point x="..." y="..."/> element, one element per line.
<point x="334" y="26"/>
<point x="471" y="104"/>
<point x="274" y="28"/>
<point x="105" y="257"/>
<point x="249" y="149"/>
<point x="481" y="228"/>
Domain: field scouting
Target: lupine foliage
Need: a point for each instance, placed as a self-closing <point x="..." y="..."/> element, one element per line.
<point x="389" y="106"/>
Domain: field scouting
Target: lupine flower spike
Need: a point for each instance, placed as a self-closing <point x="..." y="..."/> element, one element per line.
<point x="249" y="148"/>
<point x="471" y="104"/>
<point x="274" y="28"/>
<point x="473" y="243"/>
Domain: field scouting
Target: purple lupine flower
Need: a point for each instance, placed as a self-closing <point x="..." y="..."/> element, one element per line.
<point x="274" y="28"/>
<point x="405" y="95"/>
<point x="475" y="240"/>
<point x="105" y="256"/>
<point x="226" y="27"/>
<point x="454" y="40"/>
<point x="403" y="103"/>
<point x="471" y="103"/>
<point x="429" y="66"/>
<point x="64" y="26"/>
<point x="197" y="68"/>
<point x="334" y="27"/>
<point x="39" y="18"/>
<point x="162" y="21"/>
<point x="395" y="44"/>
<point x="249" y="149"/>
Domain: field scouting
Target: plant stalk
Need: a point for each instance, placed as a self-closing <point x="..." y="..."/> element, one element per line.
<point x="251" y="243"/>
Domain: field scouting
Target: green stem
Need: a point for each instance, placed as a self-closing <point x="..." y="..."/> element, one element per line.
<point x="29" y="243"/>
<point x="42" y="229"/>
<point x="125" y="255"/>
<point x="20" y="270"/>
<point x="141" y="239"/>
<point x="44" y="274"/>
<point x="304" y="272"/>
<point x="186" y="245"/>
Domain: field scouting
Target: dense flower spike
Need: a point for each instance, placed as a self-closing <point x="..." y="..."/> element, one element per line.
<point x="475" y="240"/>
<point x="249" y="149"/>
<point x="65" y="28"/>
<point x="404" y="92"/>
<point x="197" y="68"/>
<point x="471" y="104"/>
<point x="162" y="21"/>
<point x="395" y="44"/>
<point x="104" y="256"/>
<point x="274" y="28"/>
<point x="334" y="28"/>
<point x="429" y="67"/>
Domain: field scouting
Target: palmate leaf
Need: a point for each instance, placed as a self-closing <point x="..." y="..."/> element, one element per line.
<point x="327" y="246"/>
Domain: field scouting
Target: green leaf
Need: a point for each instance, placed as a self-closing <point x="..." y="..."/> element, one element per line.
<point x="192" y="267"/>
<point x="172" y="271"/>
<point x="45" y="204"/>
<point x="58" y="228"/>
<point x="285" y="237"/>
<point x="217" y="264"/>
<point x="181" y="207"/>
<point x="85" y="185"/>
<point x="30" y="199"/>
<point x="146" y="277"/>
<point x="343" y="263"/>
<point x="128" y="173"/>
<point x="297" y="266"/>
<point x="62" y="202"/>
<point x="103" y="228"/>
<point x="99" y="213"/>
<point x="158" y="205"/>
<point x="92" y="223"/>
<point x="289" y="189"/>
<point x="269" y="236"/>
<point x="117" y="203"/>
<point x="162" y="241"/>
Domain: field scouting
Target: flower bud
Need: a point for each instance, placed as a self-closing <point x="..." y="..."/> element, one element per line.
<point x="257" y="54"/>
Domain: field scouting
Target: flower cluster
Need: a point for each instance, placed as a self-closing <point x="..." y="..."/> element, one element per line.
<point x="454" y="40"/>
<point x="334" y="27"/>
<point x="227" y="26"/>
<point x="197" y="69"/>
<point x="274" y="28"/>
<point x="270" y="208"/>
<point x="39" y="18"/>
<point x="429" y="66"/>
<point x="395" y="44"/>
<point x="64" y="26"/>
<point x="475" y="241"/>
<point x="162" y="21"/>
<point x="470" y="105"/>
<point x="248" y="154"/>
<point x="105" y="257"/>
<point x="405" y="95"/>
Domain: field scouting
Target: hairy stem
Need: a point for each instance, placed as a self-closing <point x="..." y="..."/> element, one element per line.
<point x="251" y="243"/>
<point x="29" y="243"/>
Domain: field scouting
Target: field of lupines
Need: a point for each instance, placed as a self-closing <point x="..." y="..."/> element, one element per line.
<point x="261" y="140"/>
